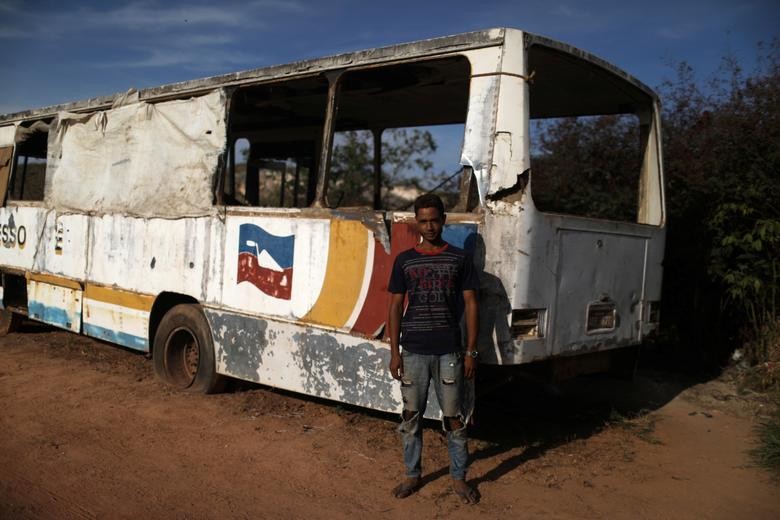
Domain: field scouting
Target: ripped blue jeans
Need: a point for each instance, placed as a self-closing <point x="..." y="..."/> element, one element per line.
<point x="446" y="372"/>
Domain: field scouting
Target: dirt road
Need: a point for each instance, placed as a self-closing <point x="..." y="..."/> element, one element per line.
<point x="86" y="431"/>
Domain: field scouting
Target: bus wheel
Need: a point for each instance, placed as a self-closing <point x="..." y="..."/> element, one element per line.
<point x="9" y="322"/>
<point x="183" y="351"/>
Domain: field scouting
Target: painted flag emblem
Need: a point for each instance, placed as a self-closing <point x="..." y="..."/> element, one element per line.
<point x="266" y="260"/>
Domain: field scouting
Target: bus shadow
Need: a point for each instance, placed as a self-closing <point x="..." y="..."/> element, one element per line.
<point x="536" y="418"/>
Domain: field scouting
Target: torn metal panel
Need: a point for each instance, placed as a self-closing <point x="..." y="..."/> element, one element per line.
<point x="511" y="146"/>
<point x="140" y="159"/>
<point x="480" y="125"/>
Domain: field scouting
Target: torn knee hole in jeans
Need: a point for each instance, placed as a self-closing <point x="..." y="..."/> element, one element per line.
<point x="406" y="382"/>
<point x="410" y="422"/>
<point x="453" y="424"/>
<point x="447" y="381"/>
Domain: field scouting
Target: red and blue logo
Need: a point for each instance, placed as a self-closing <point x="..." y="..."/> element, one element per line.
<point x="266" y="260"/>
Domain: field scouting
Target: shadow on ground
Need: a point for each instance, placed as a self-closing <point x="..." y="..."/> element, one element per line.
<point x="522" y="415"/>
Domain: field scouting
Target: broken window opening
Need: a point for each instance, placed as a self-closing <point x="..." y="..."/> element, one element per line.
<point x="276" y="130"/>
<point x="587" y="143"/>
<point x="29" y="168"/>
<point x="587" y="166"/>
<point x="6" y="154"/>
<point x="398" y="134"/>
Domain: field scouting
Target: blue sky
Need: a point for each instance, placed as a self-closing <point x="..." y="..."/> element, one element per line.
<point x="59" y="51"/>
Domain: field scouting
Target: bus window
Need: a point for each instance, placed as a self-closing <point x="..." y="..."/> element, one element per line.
<point x="276" y="130"/>
<point x="586" y="138"/>
<point x="29" y="171"/>
<point x="398" y="134"/>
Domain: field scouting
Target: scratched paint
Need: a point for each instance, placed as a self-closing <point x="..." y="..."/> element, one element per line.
<point x="328" y="364"/>
<point x="118" y="316"/>
<point x="55" y="305"/>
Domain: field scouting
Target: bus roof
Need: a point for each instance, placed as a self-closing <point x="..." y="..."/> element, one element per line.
<point x="434" y="46"/>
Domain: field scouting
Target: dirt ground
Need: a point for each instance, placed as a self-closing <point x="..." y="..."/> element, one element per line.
<point x="86" y="431"/>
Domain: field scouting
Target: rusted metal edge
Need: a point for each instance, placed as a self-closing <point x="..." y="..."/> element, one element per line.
<point x="430" y="47"/>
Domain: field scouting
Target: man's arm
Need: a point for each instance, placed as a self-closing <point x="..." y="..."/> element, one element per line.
<point x="472" y="328"/>
<point x="394" y="334"/>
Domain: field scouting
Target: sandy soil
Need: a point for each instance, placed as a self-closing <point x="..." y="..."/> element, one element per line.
<point x="86" y="431"/>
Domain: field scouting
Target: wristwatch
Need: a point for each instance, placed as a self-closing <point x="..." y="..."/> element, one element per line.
<point x="472" y="353"/>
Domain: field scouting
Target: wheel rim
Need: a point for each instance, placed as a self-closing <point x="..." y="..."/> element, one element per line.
<point x="182" y="355"/>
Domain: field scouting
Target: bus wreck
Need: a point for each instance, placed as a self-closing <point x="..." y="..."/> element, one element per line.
<point x="197" y="220"/>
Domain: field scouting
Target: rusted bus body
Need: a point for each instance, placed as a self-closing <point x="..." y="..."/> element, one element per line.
<point x="295" y="297"/>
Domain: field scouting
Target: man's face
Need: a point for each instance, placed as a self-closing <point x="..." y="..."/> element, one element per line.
<point x="430" y="223"/>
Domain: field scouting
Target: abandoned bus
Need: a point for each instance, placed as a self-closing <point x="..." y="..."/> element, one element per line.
<point x="205" y="221"/>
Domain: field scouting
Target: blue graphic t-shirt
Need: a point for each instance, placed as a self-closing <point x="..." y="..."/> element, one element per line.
<point x="434" y="282"/>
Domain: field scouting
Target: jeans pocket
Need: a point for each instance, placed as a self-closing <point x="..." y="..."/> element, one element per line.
<point x="450" y="368"/>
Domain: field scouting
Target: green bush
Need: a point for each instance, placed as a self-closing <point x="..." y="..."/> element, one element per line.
<point x="767" y="453"/>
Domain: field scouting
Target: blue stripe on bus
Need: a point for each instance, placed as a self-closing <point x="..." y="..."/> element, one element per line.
<point x="120" y="338"/>
<point x="460" y="235"/>
<point x="52" y="315"/>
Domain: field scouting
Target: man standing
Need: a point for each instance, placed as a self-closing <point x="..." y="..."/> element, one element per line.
<point x="441" y="283"/>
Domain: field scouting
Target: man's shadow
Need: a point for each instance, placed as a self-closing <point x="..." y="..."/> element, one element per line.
<point x="517" y="409"/>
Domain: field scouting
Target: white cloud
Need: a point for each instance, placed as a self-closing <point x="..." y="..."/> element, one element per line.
<point x="12" y="33"/>
<point x="138" y="18"/>
<point x="197" y="59"/>
<point x="152" y="17"/>
<point x="282" y="5"/>
<point x="569" y="12"/>
<point x="153" y="33"/>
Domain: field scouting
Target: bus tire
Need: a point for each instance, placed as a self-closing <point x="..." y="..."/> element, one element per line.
<point x="183" y="351"/>
<point x="9" y="322"/>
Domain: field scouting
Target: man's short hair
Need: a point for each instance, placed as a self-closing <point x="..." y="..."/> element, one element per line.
<point x="429" y="200"/>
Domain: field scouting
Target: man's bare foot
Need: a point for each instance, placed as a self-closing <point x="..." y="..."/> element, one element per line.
<point x="467" y="495"/>
<point x="406" y="488"/>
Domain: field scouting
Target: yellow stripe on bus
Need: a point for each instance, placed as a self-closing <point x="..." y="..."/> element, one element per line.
<point x="344" y="274"/>
<point x="142" y="302"/>
<point x="51" y="279"/>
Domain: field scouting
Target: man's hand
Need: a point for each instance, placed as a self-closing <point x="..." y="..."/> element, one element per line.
<point x="469" y="367"/>
<point x="396" y="366"/>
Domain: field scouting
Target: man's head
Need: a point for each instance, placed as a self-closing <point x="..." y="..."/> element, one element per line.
<point x="429" y="213"/>
<point x="429" y="200"/>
